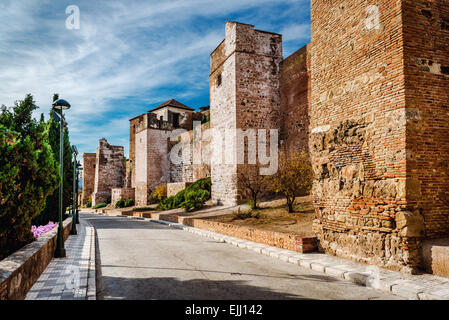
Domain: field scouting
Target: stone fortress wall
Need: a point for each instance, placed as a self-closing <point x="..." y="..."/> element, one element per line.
<point x="89" y="161"/>
<point x="367" y="98"/>
<point x="244" y="94"/>
<point x="379" y="128"/>
<point x="109" y="171"/>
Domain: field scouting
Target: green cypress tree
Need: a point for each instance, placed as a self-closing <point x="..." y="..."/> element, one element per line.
<point x="50" y="212"/>
<point x="28" y="173"/>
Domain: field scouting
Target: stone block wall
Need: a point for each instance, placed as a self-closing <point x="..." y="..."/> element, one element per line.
<point x="175" y="187"/>
<point x="152" y="165"/>
<point x="295" y="94"/>
<point x="128" y="175"/>
<point x="122" y="194"/>
<point x="244" y="90"/>
<point x="89" y="161"/>
<point x="20" y="270"/>
<point x="196" y="161"/>
<point x="109" y="171"/>
<point x="134" y="125"/>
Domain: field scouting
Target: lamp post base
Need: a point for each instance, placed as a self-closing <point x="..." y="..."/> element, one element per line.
<point x="60" y="250"/>
<point x="60" y="253"/>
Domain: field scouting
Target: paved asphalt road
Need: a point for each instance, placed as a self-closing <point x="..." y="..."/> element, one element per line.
<point x="146" y="260"/>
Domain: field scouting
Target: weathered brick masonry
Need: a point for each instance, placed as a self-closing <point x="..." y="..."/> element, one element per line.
<point x="244" y="93"/>
<point x="426" y="58"/>
<point x="377" y="128"/>
<point x="89" y="160"/>
<point x="295" y="100"/>
<point x="109" y="171"/>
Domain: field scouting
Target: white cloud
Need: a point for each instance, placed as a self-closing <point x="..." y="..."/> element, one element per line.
<point x="296" y="32"/>
<point x="123" y="49"/>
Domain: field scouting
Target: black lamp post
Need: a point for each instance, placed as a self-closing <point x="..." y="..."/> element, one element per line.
<point x="61" y="105"/>
<point x="75" y="153"/>
<point x="79" y="168"/>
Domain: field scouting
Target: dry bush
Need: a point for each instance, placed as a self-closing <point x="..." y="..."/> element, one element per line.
<point x="160" y="192"/>
<point x="294" y="177"/>
<point x="255" y="183"/>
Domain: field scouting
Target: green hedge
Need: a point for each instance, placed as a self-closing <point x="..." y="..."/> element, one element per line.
<point x="192" y="197"/>
<point x="100" y="205"/>
<point x="124" y="203"/>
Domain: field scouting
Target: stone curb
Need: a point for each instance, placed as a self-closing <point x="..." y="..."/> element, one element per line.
<point x="413" y="287"/>
<point x="91" y="284"/>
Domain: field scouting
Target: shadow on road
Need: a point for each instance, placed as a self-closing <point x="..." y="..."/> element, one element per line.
<point x="110" y="222"/>
<point x="116" y="288"/>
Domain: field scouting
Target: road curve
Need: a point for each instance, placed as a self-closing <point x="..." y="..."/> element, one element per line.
<point x="142" y="260"/>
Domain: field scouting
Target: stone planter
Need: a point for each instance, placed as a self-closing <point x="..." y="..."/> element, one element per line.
<point x="20" y="270"/>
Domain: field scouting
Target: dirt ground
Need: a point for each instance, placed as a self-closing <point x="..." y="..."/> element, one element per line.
<point x="274" y="216"/>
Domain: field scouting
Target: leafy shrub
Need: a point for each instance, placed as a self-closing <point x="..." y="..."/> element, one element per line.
<point x="120" y="203"/>
<point x="179" y="200"/>
<point x="243" y="215"/>
<point x="143" y="209"/>
<point x="160" y="192"/>
<point x="89" y="204"/>
<point x="100" y="205"/>
<point x="129" y="203"/>
<point x="195" y="199"/>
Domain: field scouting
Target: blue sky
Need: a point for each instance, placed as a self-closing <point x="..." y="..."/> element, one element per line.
<point x="127" y="57"/>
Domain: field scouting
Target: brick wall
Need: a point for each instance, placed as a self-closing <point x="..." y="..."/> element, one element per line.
<point x="426" y="56"/>
<point x="276" y="239"/>
<point x="109" y="171"/>
<point x="295" y="100"/>
<point x="89" y="160"/>
<point x="364" y="137"/>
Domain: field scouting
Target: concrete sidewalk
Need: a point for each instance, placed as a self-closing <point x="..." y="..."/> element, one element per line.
<point x="72" y="277"/>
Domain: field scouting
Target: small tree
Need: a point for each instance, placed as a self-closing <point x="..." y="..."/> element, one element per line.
<point x="294" y="177"/>
<point x="28" y="173"/>
<point x="51" y="211"/>
<point x="253" y="182"/>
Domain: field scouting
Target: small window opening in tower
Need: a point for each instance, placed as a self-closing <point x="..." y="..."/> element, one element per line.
<point x="219" y="80"/>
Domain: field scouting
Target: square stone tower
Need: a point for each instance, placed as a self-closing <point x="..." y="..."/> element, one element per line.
<point x="109" y="171"/>
<point x="89" y="160"/>
<point x="244" y="93"/>
<point x="379" y="121"/>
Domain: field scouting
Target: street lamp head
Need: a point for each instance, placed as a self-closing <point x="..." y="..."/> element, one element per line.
<point x="74" y="150"/>
<point x="61" y="104"/>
